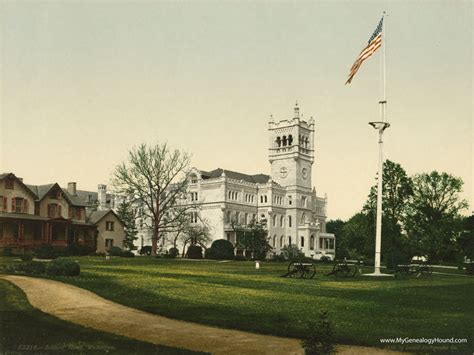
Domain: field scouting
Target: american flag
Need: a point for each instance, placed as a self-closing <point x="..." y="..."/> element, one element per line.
<point x="375" y="42"/>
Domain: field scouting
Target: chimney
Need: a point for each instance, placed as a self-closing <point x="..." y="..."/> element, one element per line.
<point x="102" y="196"/>
<point x="71" y="188"/>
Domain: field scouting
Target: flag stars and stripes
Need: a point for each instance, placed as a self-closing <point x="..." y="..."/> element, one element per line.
<point x="375" y="42"/>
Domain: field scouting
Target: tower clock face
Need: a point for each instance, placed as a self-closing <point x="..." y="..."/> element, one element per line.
<point x="304" y="173"/>
<point x="283" y="172"/>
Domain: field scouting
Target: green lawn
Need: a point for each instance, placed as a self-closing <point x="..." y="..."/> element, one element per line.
<point x="24" y="329"/>
<point x="235" y="295"/>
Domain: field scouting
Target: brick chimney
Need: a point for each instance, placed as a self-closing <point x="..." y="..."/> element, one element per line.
<point x="71" y="188"/>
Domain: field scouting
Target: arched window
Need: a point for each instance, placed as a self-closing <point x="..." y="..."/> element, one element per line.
<point x="289" y="240"/>
<point x="194" y="179"/>
<point x="289" y="221"/>
<point x="311" y="242"/>
<point x="284" y="141"/>
<point x="274" y="218"/>
<point x="274" y="240"/>
<point x="302" y="241"/>
<point x="228" y="217"/>
<point x="230" y="195"/>
<point x="282" y="241"/>
<point x="290" y="139"/>
<point x="261" y="198"/>
<point x="246" y="218"/>
<point x="278" y="141"/>
<point x="265" y="198"/>
<point x="282" y="221"/>
<point x="306" y="141"/>
<point x="303" y="218"/>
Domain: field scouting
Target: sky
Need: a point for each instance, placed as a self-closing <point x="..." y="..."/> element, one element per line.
<point x="83" y="82"/>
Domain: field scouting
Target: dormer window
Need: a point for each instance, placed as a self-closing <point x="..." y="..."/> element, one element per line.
<point x="9" y="184"/>
<point x="56" y="194"/>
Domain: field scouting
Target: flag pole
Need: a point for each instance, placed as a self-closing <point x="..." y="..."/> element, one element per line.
<point x="380" y="126"/>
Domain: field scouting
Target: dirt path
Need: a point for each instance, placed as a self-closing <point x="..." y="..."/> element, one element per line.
<point x="79" y="306"/>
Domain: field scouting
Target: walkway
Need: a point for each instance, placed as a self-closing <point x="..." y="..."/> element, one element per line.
<point x="79" y="306"/>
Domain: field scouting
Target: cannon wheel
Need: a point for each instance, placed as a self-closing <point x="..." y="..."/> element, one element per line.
<point x="293" y="271"/>
<point x="308" y="271"/>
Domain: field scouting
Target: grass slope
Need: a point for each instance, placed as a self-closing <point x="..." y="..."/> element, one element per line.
<point x="235" y="295"/>
<point x="24" y="329"/>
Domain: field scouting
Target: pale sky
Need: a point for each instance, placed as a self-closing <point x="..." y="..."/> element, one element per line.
<point x="81" y="83"/>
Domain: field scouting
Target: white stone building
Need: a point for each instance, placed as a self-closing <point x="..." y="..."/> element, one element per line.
<point x="286" y="198"/>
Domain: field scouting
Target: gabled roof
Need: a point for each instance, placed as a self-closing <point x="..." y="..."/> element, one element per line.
<point x="20" y="181"/>
<point x="254" y="179"/>
<point x="96" y="216"/>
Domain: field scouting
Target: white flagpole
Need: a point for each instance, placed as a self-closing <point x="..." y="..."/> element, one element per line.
<point x="380" y="126"/>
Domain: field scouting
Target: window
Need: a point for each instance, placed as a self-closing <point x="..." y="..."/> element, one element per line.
<point x="52" y="210"/>
<point x="194" y="196"/>
<point x="281" y="241"/>
<point x="290" y="139"/>
<point x="289" y="221"/>
<point x="56" y="194"/>
<point x="194" y="179"/>
<point x="274" y="219"/>
<point x="302" y="242"/>
<point x="303" y="201"/>
<point x="320" y="243"/>
<point x="329" y="243"/>
<point x="261" y="198"/>
<point x="311" y="242"/>
<point x="274" y="240"/>
<point x="109" y="226"/>
<point x="265" y="198"/>
<point x="278" y="141"/>
<point x="194" y="217"/>
<point x="227" y="217"/>
<point x="5" y="204"/>
<point x="290" y="201"/>
<point x="289" y="240"/>
<point x="109" y="243"/>
<point x="282" y="221"/>
<point x="303" y="218"/>
<point x="9" y="184"/>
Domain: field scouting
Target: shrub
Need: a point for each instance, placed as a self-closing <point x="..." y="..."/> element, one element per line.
<point x="220" y="249"/>
<point x="63" y="267"/>
<point x="325" y="259"/>
<point x="7" y="251"/>
<point x="292" y="253"/>
<point x="239" y="257"/>
<point x="30" y="267"/>
<point x="194" y="252"/>
<point x="173" y="253"/>
<point x="146" y="250"/>
<point x="26" y="257"/>
<point x="98" y="253"/>
<point x="79" y="249"/>
<point x="470" y="268"/>
<point x="115" y="251"/>
<point x="321" y="337"/>
<point x="280" y="258"/>
<point x="127" y="254"/>
<point x="45" y="251"/>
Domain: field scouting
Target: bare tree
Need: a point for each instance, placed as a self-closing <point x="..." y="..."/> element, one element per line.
<point x="155" y="177"/>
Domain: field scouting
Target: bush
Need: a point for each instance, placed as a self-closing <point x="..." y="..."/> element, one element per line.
<point x="26" y="257"/>
<point x="321" y="337"/>
<point x="146" y="250"/>
<point x="292" y="253"/>
<point x="280" y="258"/>
<point x="7" y="251"/>
<point x="30" y="267"/>
<point x="194" y="252"/>
<point x="239" y="257"/>
<point x="115" y="251"/>
<point x="98" y="253"/>
<point x="325" y="259"/>
<point x="127" y="254"/>
<point x="79" y="249"/>
<point x="63" y="267"/>
<point x="470" y="268"/>
<point x="220" y="249"/>
<point x="172" y="253"/>
<point x="45" y="251"/>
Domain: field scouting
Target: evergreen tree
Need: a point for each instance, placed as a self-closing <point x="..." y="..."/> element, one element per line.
<point x="127" y="215"/>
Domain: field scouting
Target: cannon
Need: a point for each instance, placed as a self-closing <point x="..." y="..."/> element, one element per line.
<point x="300" y="270"/>
<point x="346" y="268"/>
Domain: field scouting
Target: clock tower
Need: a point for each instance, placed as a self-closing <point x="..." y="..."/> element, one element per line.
<point x="291" y="152"/>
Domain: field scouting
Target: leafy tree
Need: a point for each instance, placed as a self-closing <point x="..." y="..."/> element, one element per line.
<point x="321" y="339"/>
<point x="397" y="192"/>
<point x="358" y="235"/>
<point x="465" y="241"/>
<point x="253" y="238"/>
<point x="196" y="234"/>
<point x="292" y="253"/>
<point x="433" y="221"/>
<point x="127" y="215"/>
<point x="336" y="227"/>
<point x="155" y="177"/>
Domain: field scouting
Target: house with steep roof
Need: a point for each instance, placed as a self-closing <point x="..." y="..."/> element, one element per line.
<point x="32" y="215"/>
